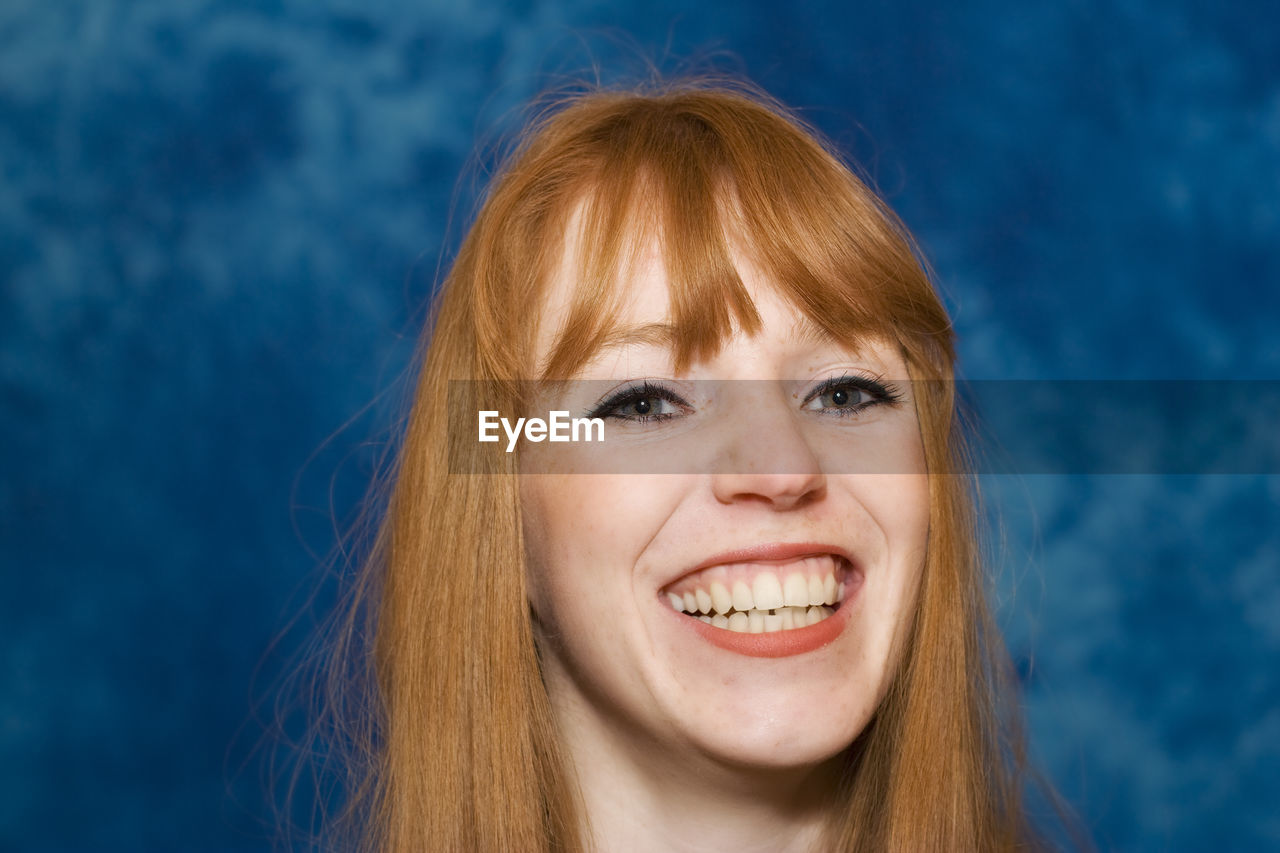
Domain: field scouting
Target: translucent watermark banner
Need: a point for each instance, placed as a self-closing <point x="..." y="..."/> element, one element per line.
<point x="852" y="423"/>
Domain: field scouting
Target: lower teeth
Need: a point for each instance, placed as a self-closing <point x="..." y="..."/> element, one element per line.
<point x="768" y="621"/>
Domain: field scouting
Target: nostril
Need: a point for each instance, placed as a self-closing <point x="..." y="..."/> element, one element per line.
<point x="781" y="491"/>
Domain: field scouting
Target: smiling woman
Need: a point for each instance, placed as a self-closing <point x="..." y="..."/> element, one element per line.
<point x="752" y="617"/>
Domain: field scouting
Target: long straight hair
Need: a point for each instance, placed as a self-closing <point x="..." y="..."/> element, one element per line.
<point x="451" y="742"/>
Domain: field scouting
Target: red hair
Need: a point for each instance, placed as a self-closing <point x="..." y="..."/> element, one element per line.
<point x="454" y="747"/>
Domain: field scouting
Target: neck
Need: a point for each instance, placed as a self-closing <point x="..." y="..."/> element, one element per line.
<point x="645" y="797"/>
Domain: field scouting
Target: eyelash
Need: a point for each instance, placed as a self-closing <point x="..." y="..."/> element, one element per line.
<point x="880" y="393"/>
<point x="632" y="394"/>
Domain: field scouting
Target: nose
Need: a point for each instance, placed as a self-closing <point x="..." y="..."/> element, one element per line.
<point x="765" y="456"/>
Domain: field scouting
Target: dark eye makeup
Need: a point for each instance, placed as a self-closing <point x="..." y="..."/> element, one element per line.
<point x="642" y="403"/>
<point x="849" y="394"/>
<point x="842" y="396"/>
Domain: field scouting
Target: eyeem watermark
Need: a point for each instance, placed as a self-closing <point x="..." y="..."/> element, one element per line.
<point x="558" y="427"/>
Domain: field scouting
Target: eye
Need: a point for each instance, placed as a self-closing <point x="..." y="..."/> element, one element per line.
<point x="847" y="395"/>
<point x="648" y="401"/>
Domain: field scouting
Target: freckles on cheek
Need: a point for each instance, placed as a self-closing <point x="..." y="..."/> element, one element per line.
<point x="567" y="543"/>
<point x="577" y="498"/>
<point x="555" y="510"/>
<point x="596" y="518"/>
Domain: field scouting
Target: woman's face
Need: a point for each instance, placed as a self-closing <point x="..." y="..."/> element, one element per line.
<point x="763" y="518"/>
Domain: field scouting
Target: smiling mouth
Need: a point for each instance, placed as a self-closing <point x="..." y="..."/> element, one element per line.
<point x="764" y="598"/>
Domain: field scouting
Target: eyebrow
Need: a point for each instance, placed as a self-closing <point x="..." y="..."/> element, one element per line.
<point x="805" y="331"/>
<point x="655" y="334"/>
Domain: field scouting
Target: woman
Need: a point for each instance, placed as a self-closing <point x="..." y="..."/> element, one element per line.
<point x="777" y="643"/>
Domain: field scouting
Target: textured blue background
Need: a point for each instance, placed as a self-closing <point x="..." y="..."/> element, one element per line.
<point x="218" y="222"/>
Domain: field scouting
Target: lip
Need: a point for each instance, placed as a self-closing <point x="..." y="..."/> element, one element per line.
<point x="776" y="644"/>
<point x="767" y="553"/>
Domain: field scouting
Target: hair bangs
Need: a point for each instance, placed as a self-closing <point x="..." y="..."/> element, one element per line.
<point x="831" y="248"/>
<point x="664" y="195"/>
<point x="705" y="183"/>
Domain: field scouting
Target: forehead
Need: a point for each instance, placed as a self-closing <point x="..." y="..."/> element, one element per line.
<point x="636" y="304"/>
<point x="637" y="295"/>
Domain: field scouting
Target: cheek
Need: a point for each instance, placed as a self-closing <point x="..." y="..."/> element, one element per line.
<point x="902" y="514"/>
<point x="897" y="510"/>
<point x="911" y="509"/>
<point x="552" y="517"/>
<point x="903" y="501"/>
<point x="583" y="534"/>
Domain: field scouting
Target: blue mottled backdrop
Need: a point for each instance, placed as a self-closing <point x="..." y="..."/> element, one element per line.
<point x="219" y="221"/>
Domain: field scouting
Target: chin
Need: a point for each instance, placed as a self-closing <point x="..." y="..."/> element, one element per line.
<point x="796" y="733"/>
